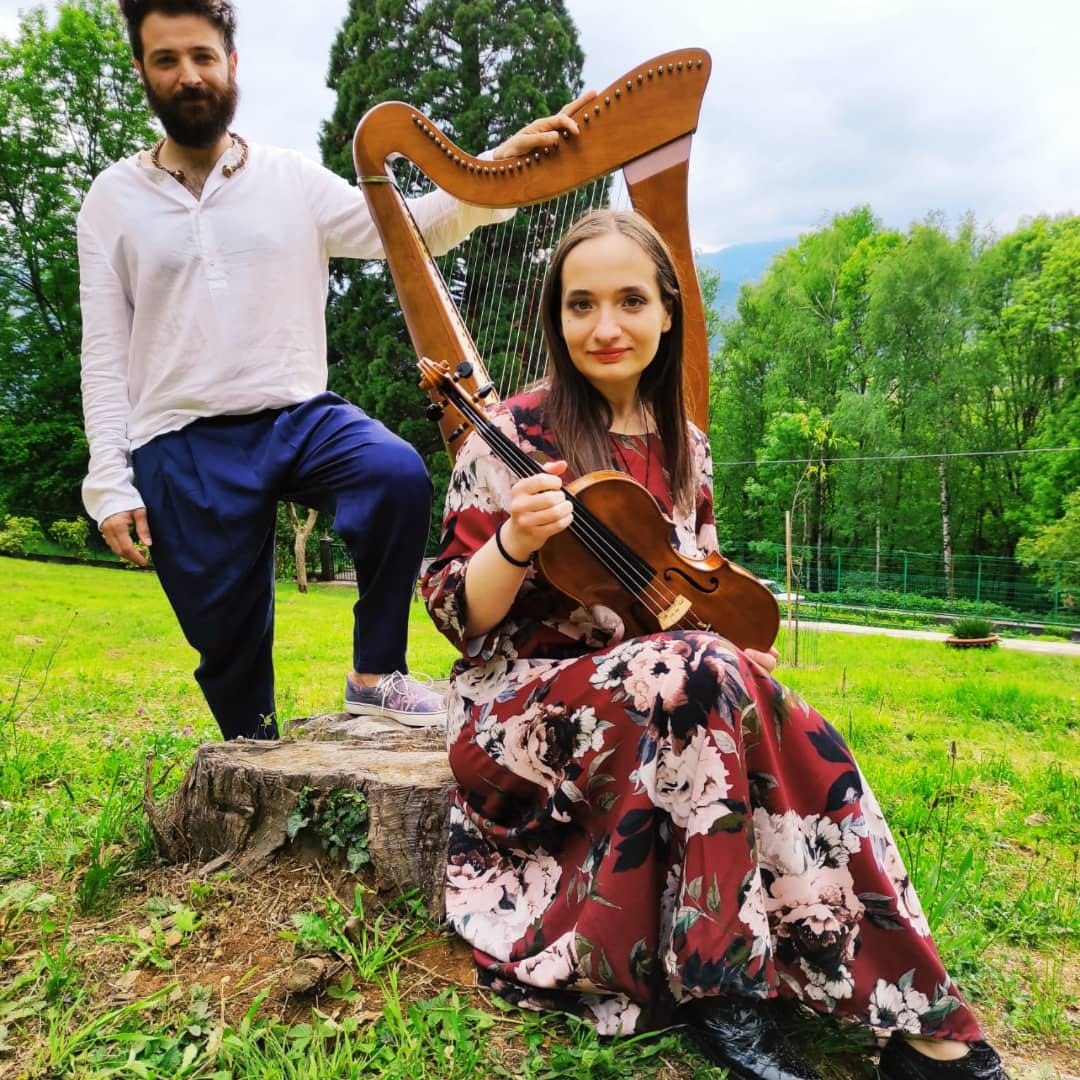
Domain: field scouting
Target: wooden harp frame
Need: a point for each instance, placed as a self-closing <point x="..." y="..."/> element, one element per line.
<point x="642" y="123"/>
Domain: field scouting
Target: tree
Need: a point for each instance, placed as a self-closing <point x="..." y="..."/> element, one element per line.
<point x="301" y="533"/>
<point x="70" y="104"/>
<point x="1030" y="313"/>
<point x="480" y="69"/>
<point x="1053" y="550"/>
<point x="785" y="350"/>
<point x="920" y="322"/>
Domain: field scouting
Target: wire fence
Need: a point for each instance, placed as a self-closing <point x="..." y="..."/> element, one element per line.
<point x="987" y="585"/>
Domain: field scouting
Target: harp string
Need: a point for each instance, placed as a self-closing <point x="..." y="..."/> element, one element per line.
<point x="494" y="278"/>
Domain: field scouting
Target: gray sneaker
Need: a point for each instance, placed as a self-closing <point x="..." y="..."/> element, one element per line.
<point x="397" y="697"/>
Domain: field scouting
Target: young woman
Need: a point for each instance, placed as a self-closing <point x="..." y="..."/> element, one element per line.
<point x="652" y="828"/>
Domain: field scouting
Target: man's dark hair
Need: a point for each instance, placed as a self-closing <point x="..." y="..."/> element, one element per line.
<point x="220" y="12"/>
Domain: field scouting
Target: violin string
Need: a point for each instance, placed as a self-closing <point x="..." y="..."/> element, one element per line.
<point x="634" y="573"/>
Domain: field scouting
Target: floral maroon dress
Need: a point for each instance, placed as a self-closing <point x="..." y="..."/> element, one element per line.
<point x="642" y="821"/>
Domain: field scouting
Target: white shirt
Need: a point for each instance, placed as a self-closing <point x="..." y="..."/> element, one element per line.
<point x="214" y="306"/>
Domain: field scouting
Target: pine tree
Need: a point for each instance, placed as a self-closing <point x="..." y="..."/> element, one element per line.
<point x="480" y="69"/>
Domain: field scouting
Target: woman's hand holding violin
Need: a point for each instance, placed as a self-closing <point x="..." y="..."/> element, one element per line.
<point x="538" y="510"/>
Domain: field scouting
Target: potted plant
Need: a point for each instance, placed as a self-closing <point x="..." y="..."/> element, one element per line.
<point x="972" y="632"/>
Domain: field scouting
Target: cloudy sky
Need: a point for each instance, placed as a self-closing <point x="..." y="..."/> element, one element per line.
<point x="814" y="106"/>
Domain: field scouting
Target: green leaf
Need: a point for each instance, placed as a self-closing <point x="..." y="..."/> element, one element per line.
<point x="186" y="921"/>
<point x="295" y="822"/>
<point x="712" y="901"/>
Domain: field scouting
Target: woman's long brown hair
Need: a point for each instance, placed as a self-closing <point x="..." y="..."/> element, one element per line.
<point x="577" y="413"/>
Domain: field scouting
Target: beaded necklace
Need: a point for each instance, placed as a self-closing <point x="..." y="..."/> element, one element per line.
<point x="178" y="174"/>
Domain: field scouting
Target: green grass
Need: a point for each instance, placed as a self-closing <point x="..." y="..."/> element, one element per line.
<point x="974" y="756"/>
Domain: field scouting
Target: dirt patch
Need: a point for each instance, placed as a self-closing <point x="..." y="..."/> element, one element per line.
<point x="241" y="949"/>
<point x="238" y="949"/>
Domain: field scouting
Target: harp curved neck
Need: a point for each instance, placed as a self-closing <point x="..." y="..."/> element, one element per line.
<point x="641" y="123"/>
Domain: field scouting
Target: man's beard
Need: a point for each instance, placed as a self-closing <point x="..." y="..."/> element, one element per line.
<point x="195" y="117"/>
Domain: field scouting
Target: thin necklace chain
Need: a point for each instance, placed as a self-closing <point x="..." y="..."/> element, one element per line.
<point x="178" y="174"/>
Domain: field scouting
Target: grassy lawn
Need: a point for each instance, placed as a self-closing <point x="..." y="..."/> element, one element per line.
<point x="113" y="965"/>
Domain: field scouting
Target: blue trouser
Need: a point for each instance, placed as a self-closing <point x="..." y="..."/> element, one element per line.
<point x="211" y="492"/>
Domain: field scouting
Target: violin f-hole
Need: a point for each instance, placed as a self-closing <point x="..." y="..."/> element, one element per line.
<point x="674" y="571"/>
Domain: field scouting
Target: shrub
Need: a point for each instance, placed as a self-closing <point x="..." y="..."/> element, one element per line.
<point x="72" y="535"/>
<point x="972" y="627"/>
<point x="20" y="535"/>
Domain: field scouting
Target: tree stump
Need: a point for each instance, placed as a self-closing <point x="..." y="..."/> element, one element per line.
<point x="234" y="805"/>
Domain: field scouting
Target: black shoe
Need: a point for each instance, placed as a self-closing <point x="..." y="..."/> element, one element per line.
<point x="742" y="1037"/>
<point x="901" y="1061"/>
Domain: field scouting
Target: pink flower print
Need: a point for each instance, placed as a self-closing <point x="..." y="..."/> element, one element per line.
<point x="711" y="786"/>
<point x="753" y="916"/>
<point x="827" y="987"/>
<point x="492" y="900"/>
<point x="657" y="673"/>
<point x="907" y="900"/>
<point x="552" y="967"/>
<point x="613" y="1015"/>
<point x="475" y="879"/>
<point x="536" y="745"/>
<point x="819" y="911"/>
<point x="897" y="1006"/>
<point x="781" y="842"/>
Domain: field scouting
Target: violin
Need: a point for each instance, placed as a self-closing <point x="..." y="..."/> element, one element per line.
<point x="648" y="584"/>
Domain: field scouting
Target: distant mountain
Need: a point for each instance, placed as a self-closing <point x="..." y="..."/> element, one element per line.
<point x="738" y="265"/>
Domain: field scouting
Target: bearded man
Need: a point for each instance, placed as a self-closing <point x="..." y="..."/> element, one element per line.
<point x="204" y="275"/>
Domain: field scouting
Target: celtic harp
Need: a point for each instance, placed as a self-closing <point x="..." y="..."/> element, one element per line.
<point x="642" y="124"/>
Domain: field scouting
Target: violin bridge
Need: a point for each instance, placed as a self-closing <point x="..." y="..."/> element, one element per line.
<point x="671" y="616"/>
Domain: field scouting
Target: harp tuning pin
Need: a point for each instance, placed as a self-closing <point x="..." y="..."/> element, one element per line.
<point x="484" y="390"/>
<point x="464" y="369"/>
<point x="434" y="412"/>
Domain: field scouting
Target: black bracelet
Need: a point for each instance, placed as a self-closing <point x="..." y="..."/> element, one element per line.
<point x="506" y="554"/>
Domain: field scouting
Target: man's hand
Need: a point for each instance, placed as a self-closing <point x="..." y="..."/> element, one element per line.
<point x="117" y="532"/>
<point x="547" y="131"/>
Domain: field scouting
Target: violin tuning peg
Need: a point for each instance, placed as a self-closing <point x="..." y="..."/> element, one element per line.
<point x="464" y="369"/>
<point x="486" y="389"/>
<point x="435" y="412"/>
